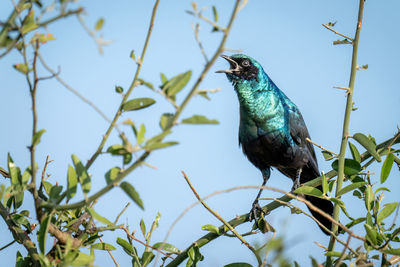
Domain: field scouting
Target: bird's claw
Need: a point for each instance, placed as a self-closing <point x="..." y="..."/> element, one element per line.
<point x="255" y="211"/>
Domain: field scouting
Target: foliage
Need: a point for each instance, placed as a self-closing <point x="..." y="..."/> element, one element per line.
<point x="75" y="223"/>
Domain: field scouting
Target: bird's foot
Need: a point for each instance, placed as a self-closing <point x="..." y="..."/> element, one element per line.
<point x="255" y="211"/>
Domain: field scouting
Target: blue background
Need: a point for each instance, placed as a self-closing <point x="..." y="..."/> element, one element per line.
<point x="286" y="37"/>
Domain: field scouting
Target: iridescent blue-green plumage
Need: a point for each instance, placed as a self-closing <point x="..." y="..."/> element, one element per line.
<point x="272" y="131"/>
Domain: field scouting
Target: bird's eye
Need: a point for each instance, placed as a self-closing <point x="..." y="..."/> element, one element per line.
<point x="245" y="63"/>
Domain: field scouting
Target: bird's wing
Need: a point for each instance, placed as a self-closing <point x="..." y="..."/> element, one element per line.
<point x="299" y="133"/>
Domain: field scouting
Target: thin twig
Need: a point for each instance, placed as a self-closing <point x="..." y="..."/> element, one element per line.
<point x="396" y="136"/>
<point x="122" y="211"/>
<point x="221" y="219"/>
<point x="9" y="244"/>
<point x="343" y="255"/>
<point x="338" y="33"/>
<point x="146" y="245"/>
<point x="196" y="30"/>
<point x="109" y="252"/>
<point x="99" y="41"/>
<point x="321" y="147"/>
<point x="72" y="90"/>
<point x="45" y="166"/>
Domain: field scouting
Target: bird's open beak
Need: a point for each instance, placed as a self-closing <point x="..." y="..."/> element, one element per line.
<point x="235" y="68"/>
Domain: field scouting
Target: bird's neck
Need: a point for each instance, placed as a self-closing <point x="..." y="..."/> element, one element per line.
<point x="257" y="98"/>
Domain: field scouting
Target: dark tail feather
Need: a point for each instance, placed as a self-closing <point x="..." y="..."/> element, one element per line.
<point x="324" y="205"/>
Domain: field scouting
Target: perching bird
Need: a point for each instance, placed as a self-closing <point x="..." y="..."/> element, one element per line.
<point x="272" y="131"/>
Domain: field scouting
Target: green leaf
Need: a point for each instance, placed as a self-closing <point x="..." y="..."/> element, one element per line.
<point x="354" y="152"/>
<point x="194" y="256"/>
<point x="339" y="42"/>
<point x="177" y="83"/>
<point x="119" y="89"/>
<point x="154" y="146"/>
<point x="163" y="78"/>
<point x="127" y="158"/>
<point x="325" y="187"/>
<point x="14" y="171"/>
<point x="47" y="187"/>
<point x="333" y="253"/>
<point x="387" y="167"/>
<point x="23" y="68"/>
<point x="327" y="155"/>
<point x="382" y="189"/>
<point x="167" y="247"/>
<point x="20" y="220"/>
<point x="37" y="136"/>
<point x="212" y="228"/>
<point x="369" y="196"/>
<point x="393" y="251"/>
<point x="368" y="219"/>
<point x="99" y="24"/>
<point x="386" y="211"/>
<point x="199" y="119"/>
<point x="264" y="226"/>
<point x="132" y="193"/>
<point x="371" y="234"/>
<point x="166" y="120"/>
<point x="98" y="217"/>
<point x="29" y="23"/>
<point x="147" y="84"/>
<point x="130" y="122"/>
<point x="158" y="138"/>
<point x="238" y="264"/>
<point x="117" y="150"/>
<point x="147" y="257"/>
<point x="129" y="249"/>
<point x="72" y="180"/>
<point x="82" y="259"/>
<point x="2" y="189"/>
<point x="341" y="205"/>
<point x="349" y="188"/>
<point x="103" y="246"/>
<point x="351" y="166"/>
<point x="368" y="144"/>
<point x="138" y="103"/>
<point x="354" y="222"/>
<point x="112" y="174"/>
<point x="309" y="190"/>
<point x="55" y="193"/>
<point x="140" y="134"/>
<point x="26" y="175"/>
<point x="42" y="234"/>
<point x="204" y="94"/>
<point x="143" y="228"/>
<point x="132" y="55"/>
<point x="215" y="13"/>
<point x="314" y="262"/>
<point x="83" y="176"/>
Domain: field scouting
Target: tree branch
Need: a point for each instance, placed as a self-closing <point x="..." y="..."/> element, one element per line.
<point x="346" y="122"/>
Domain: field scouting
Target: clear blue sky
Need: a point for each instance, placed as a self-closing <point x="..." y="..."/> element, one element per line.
<point x="286" y="37"/>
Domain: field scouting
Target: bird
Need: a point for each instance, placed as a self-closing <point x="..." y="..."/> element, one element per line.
<point x="272" y="131"/>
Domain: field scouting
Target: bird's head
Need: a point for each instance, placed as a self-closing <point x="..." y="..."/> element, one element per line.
<point x="242" y="69"/>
